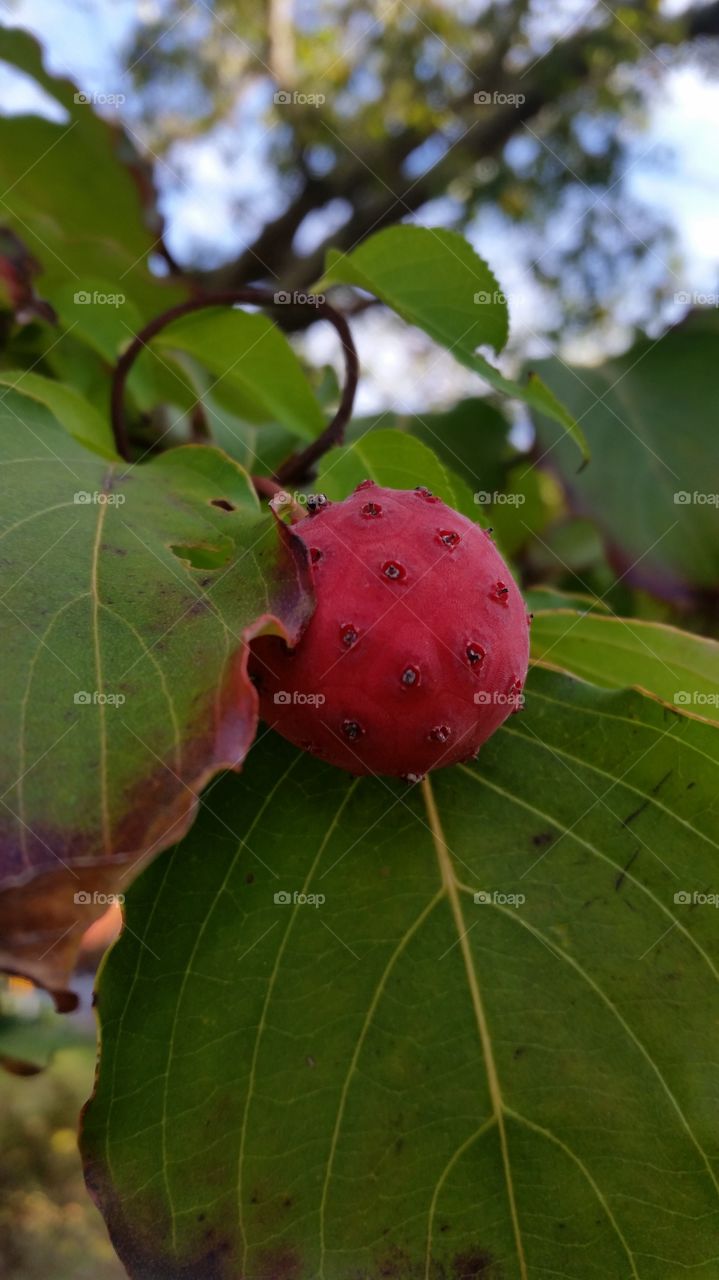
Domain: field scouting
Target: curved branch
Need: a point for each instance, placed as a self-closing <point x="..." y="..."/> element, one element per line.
<point x="298" y="464"/>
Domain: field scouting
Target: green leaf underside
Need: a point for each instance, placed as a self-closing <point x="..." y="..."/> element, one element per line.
<point x="78" y="417"/>
<point x="649" y="417"/>
<point x="676" y="666"/>
<point x="100" y="600"/>
<point x="397" y="461"/>
<point x="431" y="277"/>
<point x="250" y="353"/>
<point x="400" y="1081"/>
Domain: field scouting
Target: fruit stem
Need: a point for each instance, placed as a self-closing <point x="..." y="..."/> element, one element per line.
<point x="296" y="467"/>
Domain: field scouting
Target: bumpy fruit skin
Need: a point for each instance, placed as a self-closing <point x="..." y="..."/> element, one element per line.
<point x="417" y="650"/>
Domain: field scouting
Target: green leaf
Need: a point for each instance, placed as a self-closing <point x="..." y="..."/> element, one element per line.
<point x="471" y="439"/>
<point x="98" y="313"/>
<point x="676" y="666"/>
<point x="69" y="190"/>
<point x="434" y="279"/>
<point x="523" y="508"/>
<point x="106" y="321"/>
<point x="397" y="461"/>
<point x="399" y="1080"/>
<point x="252" y="356"/>
<point x="78" y="417"/>
<point x="652" y="487"/>
<point x="547" y="598"/>
<point x="537" y="395"/>
<point x="125" y="683"/>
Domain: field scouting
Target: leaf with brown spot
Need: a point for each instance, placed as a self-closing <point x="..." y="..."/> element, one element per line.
<point x="125" y="684"/>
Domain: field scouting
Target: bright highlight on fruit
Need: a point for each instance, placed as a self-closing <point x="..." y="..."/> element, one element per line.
<point x="418" y="647"/>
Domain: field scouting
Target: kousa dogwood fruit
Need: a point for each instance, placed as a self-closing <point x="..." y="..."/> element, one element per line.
<point x="418" y="647"/>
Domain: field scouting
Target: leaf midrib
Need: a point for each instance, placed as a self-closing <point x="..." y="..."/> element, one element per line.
<point x="451" y="886"/>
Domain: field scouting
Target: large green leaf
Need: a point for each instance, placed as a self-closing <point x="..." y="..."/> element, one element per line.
<point x="652" y="488"/>
<point x="434" y="279"/>
<point x="396" y="1079"/>
<point x="128" y="595"/>
<point x="678" y="667"/>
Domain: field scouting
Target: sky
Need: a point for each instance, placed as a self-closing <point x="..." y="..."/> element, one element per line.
<point x="672" y="167"/>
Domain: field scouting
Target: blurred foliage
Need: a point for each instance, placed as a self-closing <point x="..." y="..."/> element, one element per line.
<point x="48" y="1225"/>
<point x="378" y="119"/>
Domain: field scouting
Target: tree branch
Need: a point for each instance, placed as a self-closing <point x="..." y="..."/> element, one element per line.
<point x="362" y="179"/>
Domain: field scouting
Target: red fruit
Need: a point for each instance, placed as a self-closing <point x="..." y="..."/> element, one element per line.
<point x="418" y="647"/>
